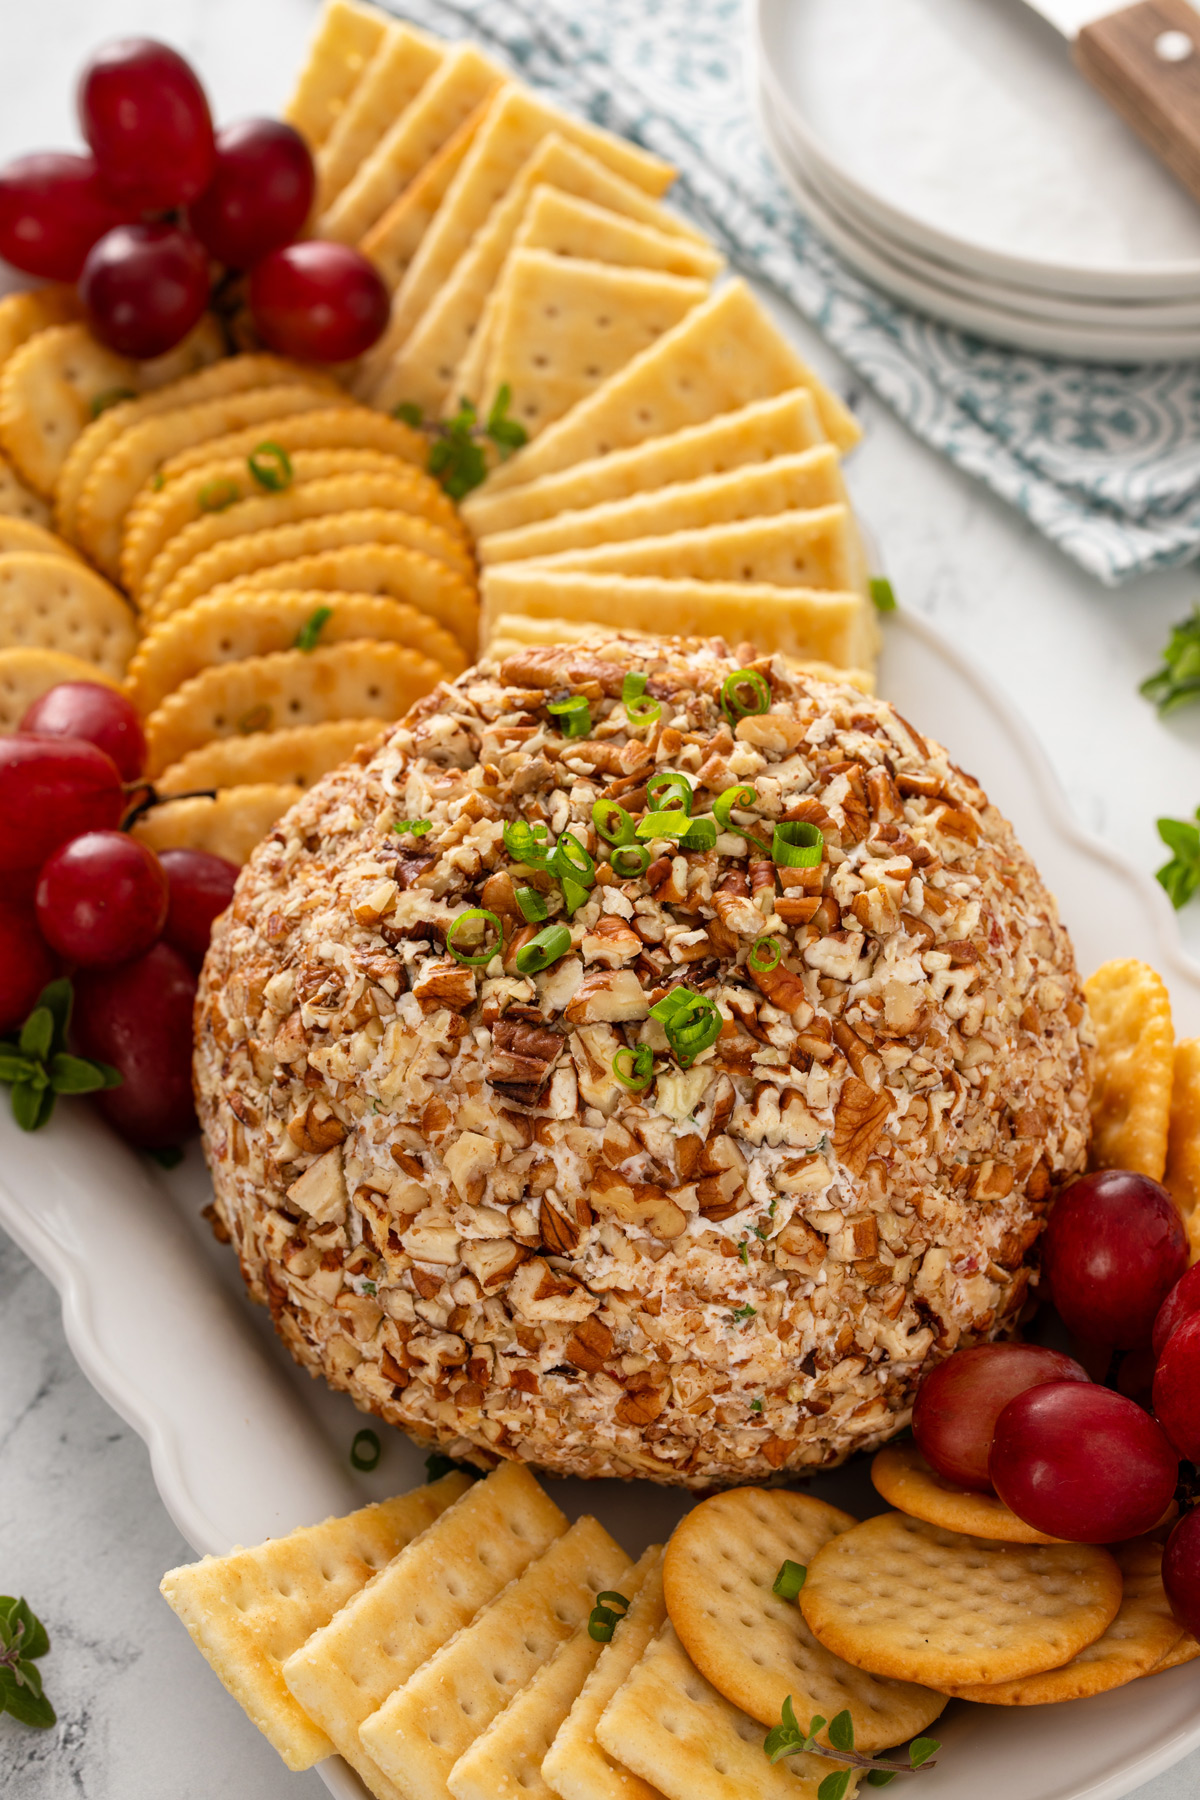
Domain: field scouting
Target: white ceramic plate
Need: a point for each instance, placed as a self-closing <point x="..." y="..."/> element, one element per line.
<point x="244" y="1446"/>
<point x="987" y="309"/>
<point x="963" y="126"/>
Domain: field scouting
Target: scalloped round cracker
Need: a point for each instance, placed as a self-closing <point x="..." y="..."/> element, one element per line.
<point x="389" y="569"/>
<point x="229" y="826"/>
<point x="328" y="428"/>
<point x="231" y="375"/>
<point x="358" y="680"/>
<point x="23" y="315"/>
<point x="20" y="502"/>
<point x="1185" y="1650"/>
<point x="18" y="536"/>
<point x="404" y="489"/>
<point x="132" y="459"/>
<point x="225" y="630"/>
<point x="296" y="756"/>
<point x="159" y="513"/>
<point x="906" y="1481"/>
<point x="239" y="556"/>
<point x="57" y="603"/>
<point x="1144" y="1632"/>
<point x="25" y="675"/>
<point x="904" y="1598"/>
<point x="755" y="1648"/>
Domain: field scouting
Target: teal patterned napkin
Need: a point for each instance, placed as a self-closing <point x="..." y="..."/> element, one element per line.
<point x="1104" y="460"/>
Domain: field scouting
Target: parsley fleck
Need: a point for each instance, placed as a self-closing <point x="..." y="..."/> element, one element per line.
<point x="746" y="1312"/>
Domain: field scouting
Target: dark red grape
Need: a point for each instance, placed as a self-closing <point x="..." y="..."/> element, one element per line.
<point x="260" y="194"/>
<point x="102" y="715"/>
<point x="1181" y="1571"/>
<point x="1177" y="1388"/>
<point x="1184" y="1298"/>
<point x="102" y="899"/>
<point x="52" y="210"/>
<point x="138" y="1017"/>
<point x="1135" y="1375"/>
<point x="144" y="287"/>
<point x="1113" y="1250"/>
<point x="959" y="1401"/>
<point x="1080" y="1462"/>
<point x="201" y="888"/>
<point x="26" y="964"/>
<point x="147" y="121"/>
<point x="52" y="789"/>
<point x="319" y="302"/>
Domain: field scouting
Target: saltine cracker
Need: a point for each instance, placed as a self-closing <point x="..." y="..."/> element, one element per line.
<point x="248" y="1610"/>
<point x="294" y="757"/>
<point x="389" y="569"/>
<point x="345" y="1672"/>
<point x="25" y="675"/>
<point x="1131" y="1086"/>
<point x="395" y="237"/>
<point x="55" y="603"/>
<point x="403" y="62"/>
<point x="347" y="37"/>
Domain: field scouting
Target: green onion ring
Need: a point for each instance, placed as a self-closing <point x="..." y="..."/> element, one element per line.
<point x="702" y="835"/>
<point x="526" y="843"/>
<point x="668" y="791"/>
<point x="573" y="715"/>
<point x="573" y="859"/>
<point x="485" y="956"/>
<point x="366" y="1450"/>
<point x="797" y="844"/>
<point x="722" y="807"/>
<point x="546" y="948"/>
<point x="641" y="1069"/>
<point x="691" y="1021"/>
<point x="532" y="905"/>
<point x="642" y="712"/>
<point x="271" y="466"/>
<point x="620" y="865"/>
<point x="664" y="825"/>
<point x="612" y="822"/>
<point x="732" y="703"/>
<point x="633" y="686"/>
<point x="215" y="496"/>
<point x="574" y="894"/>
<point x="763" y="963"/>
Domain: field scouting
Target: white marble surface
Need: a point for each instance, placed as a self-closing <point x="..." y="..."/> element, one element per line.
<point x="82" y="1531"/>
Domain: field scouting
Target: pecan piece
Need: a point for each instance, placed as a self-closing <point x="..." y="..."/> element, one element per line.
<point x="589" y="1346"/>
<point x="857" y="1123"/>
<point x="523" y="1055"/>
<point x="641" y="1408"/>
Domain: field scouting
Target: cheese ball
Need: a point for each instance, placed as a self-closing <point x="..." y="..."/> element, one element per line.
<point x="778" y="1122"/>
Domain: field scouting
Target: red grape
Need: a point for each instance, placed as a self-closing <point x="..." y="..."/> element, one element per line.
<point x="147" y="121"/>
<point x="319" y="302"/>
<point x="102" y="715"/>
<point x="52" y="789"/>
<point x="144" y="287"/>
<point x="1083" y="1463"/>
<point x="1181" y="1571"/>
<point x="102" y="898"/>
<point x="1184" y="1298"/>
<point x="138" y="1017"/>
<point x="1177" y="1388"/>
<point x="1114" y="1248"/>
<point x="52" y="210"/>
<point x="959" y="1401"/>
<point x="201" y="888"/>
<point x="26" y="964"/>
<point x="260" y="193"/>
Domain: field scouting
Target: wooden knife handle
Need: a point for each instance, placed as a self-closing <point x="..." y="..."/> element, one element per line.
<point x="1145" y="60"/>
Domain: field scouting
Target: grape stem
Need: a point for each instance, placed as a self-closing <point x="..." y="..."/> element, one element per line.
<point x="152" y="798"/>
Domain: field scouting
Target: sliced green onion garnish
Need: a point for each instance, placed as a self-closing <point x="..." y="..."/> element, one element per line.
<point x="691" y="1021"/>
<point x="723" y="806"/>
<point x="633" y="686"/>
<point x="629" y="861"/>
<point x="110" y="397"/>
<point x="573" y="715"/>
<point x="701" y="835"/>
<point x="215" y="496"/>
<point x="882" y="595"/>
<point x="366" y="1450"/>
<point x="797" y="844"/>
<point x="526" y="843"/>
<point x="271" y="466"/>
<point x="790" y="1579"/>
<point x="664" y="825"/>
<point x="418" y="827"/>
<point x="669" y="791"/>
<point x="542" y="950"/>
<point x="482" y="957"/>
<point x="572" y="859"/>
<point x="743" y="694"/>
<point x="612" y="822"/>
<point x="532" y="905"/>
<point x="605" y="1616"/>
<point x="313" y="626"/>
<point x="642" y="712"/>
<point x="766" y="954"/>
<point x="640" y="1070"/>
<point x="574" y="894"/>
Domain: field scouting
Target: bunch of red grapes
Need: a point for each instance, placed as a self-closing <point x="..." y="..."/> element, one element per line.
<point x="163" y="203"/>
<point x="84" y="898"/>
<point x="1071" y="1457"/>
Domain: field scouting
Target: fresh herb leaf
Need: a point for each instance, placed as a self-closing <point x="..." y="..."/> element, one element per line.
<point x="37" y="1067"/>
<point x="169" y="1157"/>
<point x="744" y="1251"/>
<point x="1178" y="681"/>
<point x="437" y="1464"/>
<point x="789" y="1581"/>
<point x="1181" y="876"/>
<point x="786" y="1738"/>
<point x="756" y="1406"/>
<point x="37" y="1034"/>
<point x="841" y="1731"/>
<point x="745" y="1312"/>
<point x="881" y="1777"/>
<point x="921" y="1749"/>
<point x="507" y="434"/>
<point x="408" y="413"/>
<point x="23" y="1637"/>
<point x="418" y="827"/>
<point x="75" y="1075"/>
<point x="313" y="626"/>
<point x="834" y="1786"/>
<point x="881" y="594"/>
<point x="457" y="454"/>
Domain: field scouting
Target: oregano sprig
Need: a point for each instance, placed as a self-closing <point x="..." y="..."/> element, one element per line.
<point x="36" y="1065"/>
<point x="1178" y="681"/>
<point x="1181" y="876"/>
<point x="457" y="448"/>
<point x="788" y="1739"/>
<point x="23" y="1638"/>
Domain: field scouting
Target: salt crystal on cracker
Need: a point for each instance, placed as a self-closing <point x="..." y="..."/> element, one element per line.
<point x="1131" y="1088"/>
<point x="248" y="1610"/>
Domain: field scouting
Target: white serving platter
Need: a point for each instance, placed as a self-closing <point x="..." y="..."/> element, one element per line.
<point x="244" y="1446"/>
<point x="963" y="127"/>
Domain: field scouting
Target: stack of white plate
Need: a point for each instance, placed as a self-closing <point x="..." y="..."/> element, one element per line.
<point x="951" y="153"/>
